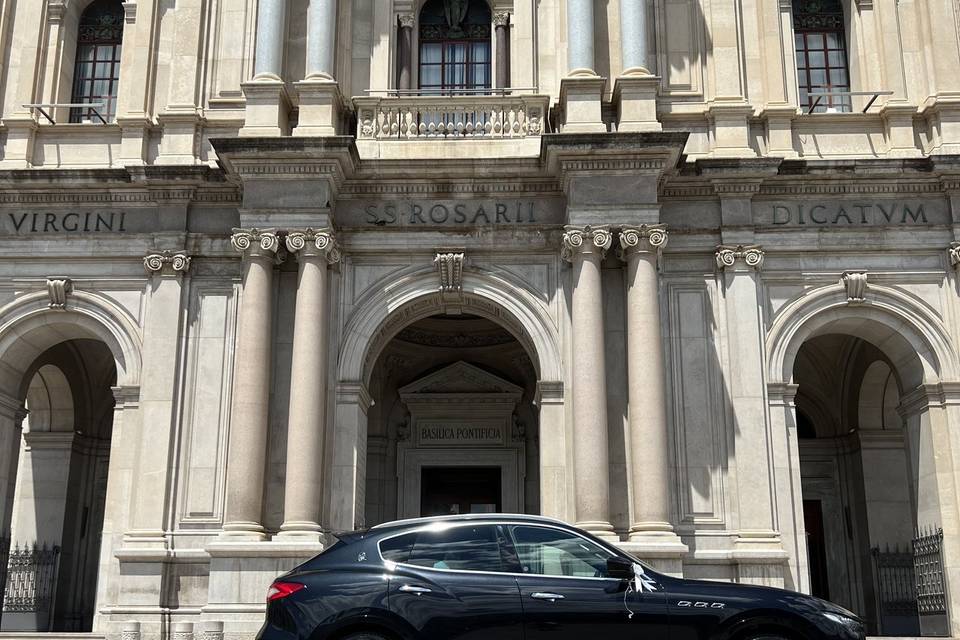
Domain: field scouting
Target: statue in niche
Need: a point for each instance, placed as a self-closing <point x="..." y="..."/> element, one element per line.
<point x="455" y="12"/>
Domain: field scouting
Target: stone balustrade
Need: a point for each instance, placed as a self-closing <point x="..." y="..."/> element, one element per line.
<point x="481" y="116"/>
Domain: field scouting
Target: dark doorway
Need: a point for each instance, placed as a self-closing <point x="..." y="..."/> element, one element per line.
<point x="454" y="490"/>
<point x="816" y="551"/>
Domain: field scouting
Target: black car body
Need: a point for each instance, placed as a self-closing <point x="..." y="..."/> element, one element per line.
<point x="521" y="578"/>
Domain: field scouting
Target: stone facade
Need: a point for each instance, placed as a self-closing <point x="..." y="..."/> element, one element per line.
<point x="284" y="293"/>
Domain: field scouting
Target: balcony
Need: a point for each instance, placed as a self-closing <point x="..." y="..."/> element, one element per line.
<point x="400" y="117"/>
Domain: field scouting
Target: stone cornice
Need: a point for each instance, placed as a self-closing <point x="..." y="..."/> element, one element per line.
<point x="333" y="157"/>
<point x="621" y="153"/>
<point x="134" y="196"/>
<point x="685" y="189"/>
<point x="432" y="188"/>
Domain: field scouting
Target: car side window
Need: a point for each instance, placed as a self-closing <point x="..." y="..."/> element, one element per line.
<point x="554" y="552"/>
<point x="469" y="548"/>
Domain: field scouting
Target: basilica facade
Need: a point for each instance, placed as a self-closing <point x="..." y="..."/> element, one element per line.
<point x="682" y="272"/>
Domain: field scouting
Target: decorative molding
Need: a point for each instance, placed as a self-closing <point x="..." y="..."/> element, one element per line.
<point x="585" y="240"/>
<point x="700" y="189"/>
<point x="56" y="9"/>
<point x="865" y="5"/>
<point x="59" y="289"/>
<point x="256" y="242"/>
<point x="642" y="239"/>
<point x="855" y="282"/>
<point x="315" y="242"/>
<point x="728" y="187"/>
<point x="376" y="188"/>
<point x="130" y="11"/>
<point x="112" y="197"/>
<point x="953" y="252"/>
<point x="727" y="256"/>
<point x="611" y="164"/>
<point x="211" y="630"/>
<point x="407" y="20"/>
<point x="130" y="630"/>
<point x="176" y="263"/>
<point x="501" y="19"/>
<point x="450" y="269"/>
<point x="126" y="396"/>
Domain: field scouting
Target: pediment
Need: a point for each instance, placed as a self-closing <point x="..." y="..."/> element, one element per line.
<point x="460" y="378"/>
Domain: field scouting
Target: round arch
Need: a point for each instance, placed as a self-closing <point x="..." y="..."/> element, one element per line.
<point x="379" y="317"/>
<point x="901" y="326"/>
<point x="28" y="327"/>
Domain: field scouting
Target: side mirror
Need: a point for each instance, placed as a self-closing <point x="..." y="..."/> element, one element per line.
<point x="619" y="569"/>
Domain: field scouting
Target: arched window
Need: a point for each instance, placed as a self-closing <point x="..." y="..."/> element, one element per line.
<point x="454" y="46"/>
<point x="820" y="37"/>
<point x="97" y="67"/>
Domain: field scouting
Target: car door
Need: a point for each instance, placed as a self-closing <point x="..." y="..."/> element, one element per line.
<point x="450" y="581"/>
<point x="567" y="595"/>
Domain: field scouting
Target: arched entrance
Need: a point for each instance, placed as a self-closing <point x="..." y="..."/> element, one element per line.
<point x="859" y="391"/>
<point x="453" y="427"/>
<point x="523" y="374"/>
<point x="59" y="372"/>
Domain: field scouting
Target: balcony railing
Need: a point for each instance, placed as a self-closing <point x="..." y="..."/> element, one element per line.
<point x="406" y="117"/>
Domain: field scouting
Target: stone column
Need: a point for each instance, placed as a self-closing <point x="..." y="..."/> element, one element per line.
<point x="581" y="91"/>
<point x="321" y="103"/>
<point x="586" y="247"/>
<point x="306" y="428"/>
<point x="633" y="36"/>
<point x="267" y="104"/>
<point x="405" y="54"/>
<point x="501" y="24"/>
<point x="249" y="412"/>
<point x="635" y="91"/>
<point x="646" y="376"/>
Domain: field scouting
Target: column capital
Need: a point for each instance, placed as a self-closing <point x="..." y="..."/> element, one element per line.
<point x="256" y="243"/>
<point x="953" y="253"/>
<point x="407" y="20"/>
<point x="585" y="240"/>
<point x="644" y="238"/>
<point x="175" y="263"/>
<point x="310" y="243"/>
<point x="751" y="255"/>
<point x="501" y="18"/>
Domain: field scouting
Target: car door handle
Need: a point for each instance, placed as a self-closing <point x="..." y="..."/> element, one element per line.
<point x="552" y="597"/>
<point x="409" y="588"/>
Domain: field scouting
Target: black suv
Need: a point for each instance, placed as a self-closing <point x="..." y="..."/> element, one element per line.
<point x="521" y="578"/>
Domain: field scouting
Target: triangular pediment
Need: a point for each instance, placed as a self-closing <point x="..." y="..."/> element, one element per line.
<point x="460" y="377"/>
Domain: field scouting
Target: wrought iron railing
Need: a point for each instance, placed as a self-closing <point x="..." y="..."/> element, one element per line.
<point x="30" y="579"/>
<point x="896" y="583"/>
<point x="928" y="567"/>
<point x="435" y="117"/>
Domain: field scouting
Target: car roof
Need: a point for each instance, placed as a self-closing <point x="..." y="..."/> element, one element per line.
<point x="467" y="517"/>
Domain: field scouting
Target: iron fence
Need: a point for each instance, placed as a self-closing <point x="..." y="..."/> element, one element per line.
<point x="30" y="578"/>
<point x="928" y="567"/>
<point x="896" y="581"/>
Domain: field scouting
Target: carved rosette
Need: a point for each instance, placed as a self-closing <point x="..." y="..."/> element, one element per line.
<point x="855" y="282"/>
<point x="585" y="240"/>
<point x="953" y="252"/>
<point x="314" y="242"/>
<point x="450" y="269"/>
<point x="751" y="255"/>
<point x="407" y="20"/>
<point x="256" y="243"/>
<point x="58" y="289"/>
<point x="642" y="239"/>
<point x="167" y="263"/>
<point x="501" y="19"/>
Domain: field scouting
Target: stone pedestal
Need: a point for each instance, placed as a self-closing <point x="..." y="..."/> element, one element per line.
<point x="943" y="112"/>
<point x="18" y="149"/>
<point x="898" y="129"/>
<point x="636" y="98"/>
<point x="779" y="119"/>
<point x="730" y="121"/>
<point x="581" y="96"/>
<point x="134" y="138"/>
<point x="179" y="144"/>
<point x="267" y="110"/>
<point x="321" y="108"/>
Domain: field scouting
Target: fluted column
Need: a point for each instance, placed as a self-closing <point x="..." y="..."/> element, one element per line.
<point x="306" y="427"/>
<point x="633" y="36"/>
<point x="405" y="54"/>
<point x="321" y="39"/>
<point x="585" y="247"/>
<point x="249" y="414"/>
<point x="646" y="377"/>
<point x="271" y="22"/>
